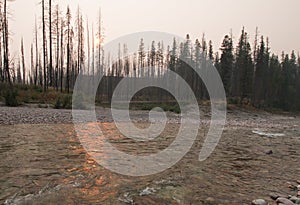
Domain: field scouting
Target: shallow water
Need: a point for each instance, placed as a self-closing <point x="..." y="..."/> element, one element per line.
<point x="46" y="164"/>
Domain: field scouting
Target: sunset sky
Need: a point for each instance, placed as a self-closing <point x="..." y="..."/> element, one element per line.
<point x="276" y="19"/>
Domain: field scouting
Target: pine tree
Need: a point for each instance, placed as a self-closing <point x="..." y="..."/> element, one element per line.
<point x="243" y="70"/>
<point x="275" y="79"/>
<point x="210" y="51"/>
<point x="173" y="56"/>
<point x="261" y="74"/>
<point x="197" y="83"/>
<point x="226" y="63"/>
<point x="141" y="59"/>
<point x="152" y="59"/>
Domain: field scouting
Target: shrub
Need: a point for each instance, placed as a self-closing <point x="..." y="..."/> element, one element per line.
<point x="63" y="102"/>
<point x="166" y="107"/>
<point x="58" y="104"/>
<point x="234" y="100"/>
<point x="67" y="102"/>
<point x="11" y="98"/>
<point x="175" y="109"/>
<point x="79" y="102"/>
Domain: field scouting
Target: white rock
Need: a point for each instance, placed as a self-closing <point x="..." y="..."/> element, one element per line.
<point x="147" y="191"/>
<point x="259" y="202"/>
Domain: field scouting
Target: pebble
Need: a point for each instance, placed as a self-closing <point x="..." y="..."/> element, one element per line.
<point x="259" y="202"/>
<point x="284" y="201"/>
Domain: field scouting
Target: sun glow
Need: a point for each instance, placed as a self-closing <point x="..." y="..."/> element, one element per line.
<point x="98" y="41"/>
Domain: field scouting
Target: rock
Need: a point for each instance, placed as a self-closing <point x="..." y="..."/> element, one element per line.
<point x="126" y="198"/>
<point x="295" y="199"/>
<point x="298" y="193"/>
<point x="298" y="187"/>
<point x="259" y="202"/>
<point x="147" y="191"/>
<point x="269" y="152"/>
<point x="275" y="196"/>
<point x="284" y="201"/>
<point x="292" y="186"/>
<point x="210" y="200"/>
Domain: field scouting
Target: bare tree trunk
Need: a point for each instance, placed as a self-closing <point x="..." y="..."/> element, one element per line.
<point x="88" y="45"/>
<point x="44" y="46"/>
<point x="78" y="41"/>
<point x="57" y="48"/>
<point x="68" y="49"/>
<point x="36" y="55"/>
<point x="23" y="62"/>
<point x="50" y="44"/>
<point x="40" y="66"/>
<point x="1" y="29"/>
<point x="99" y="42"/>
<point x="93" y="55"/>
<point x="81" y="44"/>
<point x="5" y="43"/>
<point x="1" y="65"/>
<point x="32" y="73"/>
<point x="61" y="55"/>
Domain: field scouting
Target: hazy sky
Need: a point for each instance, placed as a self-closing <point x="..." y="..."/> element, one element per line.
<point x="276" y="19"/>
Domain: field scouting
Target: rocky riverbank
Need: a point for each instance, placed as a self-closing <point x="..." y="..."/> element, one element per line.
<point x="283" y="199"/>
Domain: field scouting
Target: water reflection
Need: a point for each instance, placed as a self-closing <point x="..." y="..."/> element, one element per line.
<point x="48" y="165"/>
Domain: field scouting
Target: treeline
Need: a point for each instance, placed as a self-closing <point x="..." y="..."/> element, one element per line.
<point x="258" y="77"/>
<point x="251" y="75"/>
<point x="69" y="45"/>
